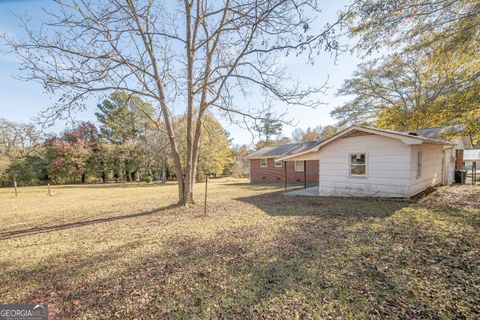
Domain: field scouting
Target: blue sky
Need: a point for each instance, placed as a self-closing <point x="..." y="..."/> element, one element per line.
<point x="21" y="101"/>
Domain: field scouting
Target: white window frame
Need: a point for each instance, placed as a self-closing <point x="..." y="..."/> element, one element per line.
<point x="264" y="165"/>
<point x="295" y="165"/>
<point x="350" y="174"/>
<point x="419" y="163"/>
<point x="278" y="161"/>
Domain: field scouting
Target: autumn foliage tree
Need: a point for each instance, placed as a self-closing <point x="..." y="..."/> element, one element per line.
<point x="69" y="153"/>
<point x="430" y="76"/>
<point x="215" y="150"/>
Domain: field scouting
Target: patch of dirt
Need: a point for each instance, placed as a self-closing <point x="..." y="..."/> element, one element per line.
<point x="455" y="197"/>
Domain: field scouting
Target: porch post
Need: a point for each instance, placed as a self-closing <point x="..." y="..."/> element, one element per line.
<point x="305" y="174"/>
<point x="285" y="174"/>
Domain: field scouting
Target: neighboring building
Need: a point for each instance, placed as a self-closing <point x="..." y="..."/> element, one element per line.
<point x="364" y="161"/>
<point x="264" y="167"/>
<point x="469" y="157"/>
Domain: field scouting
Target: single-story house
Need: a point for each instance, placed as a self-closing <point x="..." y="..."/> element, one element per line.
<point x="371" y="162"/>
<point x="265" y="167"/>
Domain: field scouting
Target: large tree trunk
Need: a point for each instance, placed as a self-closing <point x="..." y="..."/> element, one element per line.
<point x="176" y="159"/>
<point x="188" y="191"/>
<point x="189" y="166"/>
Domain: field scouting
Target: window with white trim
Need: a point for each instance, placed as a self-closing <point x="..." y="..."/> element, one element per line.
<point x="358" y="164"/>
<point x="299" y="166"/>
<point x="263" y="162"/>
<point x="278" y="163"/>
<point x="419" y="163"/>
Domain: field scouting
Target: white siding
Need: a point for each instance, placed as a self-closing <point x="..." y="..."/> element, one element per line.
<point x="391" y="167"/>
<point x="449" y="156"/>
<point x="431" y="167"/>
<point x="388" y="167"/>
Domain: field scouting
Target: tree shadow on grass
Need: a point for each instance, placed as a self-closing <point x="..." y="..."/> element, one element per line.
<point x="338" y="259"/>
<point x="45" y="229"/>
<point x="307" y="267"/>
<point x="310" y="268"/>
<point x="112" y="185"/>
<point x="277" y="204"/>
<point x="252" y="187"/>
<point x="280" y="186"/>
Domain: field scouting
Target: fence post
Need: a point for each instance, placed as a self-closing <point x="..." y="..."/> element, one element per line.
<point x="15" y="187"/>
<point x="206" y="189"/>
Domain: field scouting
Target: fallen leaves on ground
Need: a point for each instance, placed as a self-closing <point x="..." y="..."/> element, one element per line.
<point x="128" y="252"/>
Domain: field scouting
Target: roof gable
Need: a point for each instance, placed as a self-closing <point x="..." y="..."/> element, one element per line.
<point x="356" y="130"/>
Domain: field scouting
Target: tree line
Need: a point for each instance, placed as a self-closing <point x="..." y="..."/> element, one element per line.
<point x="126" y="145"/>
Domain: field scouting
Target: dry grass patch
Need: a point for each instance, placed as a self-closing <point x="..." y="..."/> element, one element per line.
<point x="126" y="251"/>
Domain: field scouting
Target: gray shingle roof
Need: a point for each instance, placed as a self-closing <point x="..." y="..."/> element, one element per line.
<point x="438" y="132"/>
<point x="283" y="150"/>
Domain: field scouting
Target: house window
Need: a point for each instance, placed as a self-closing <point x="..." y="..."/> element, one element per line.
<point x="299" y="166"/>
<point x="419" y="164"/>
<point x="278" y="163"/>
<point x="358" y="164"/>
<point x="263" y="163"/>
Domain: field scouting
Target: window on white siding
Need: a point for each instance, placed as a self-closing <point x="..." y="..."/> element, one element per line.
<point x="263" y="163"/>
<point x="358" y="164"/>
<point x="299" y="166"/>
<point x="419" y="164"/>
<point x="278" y="164"/>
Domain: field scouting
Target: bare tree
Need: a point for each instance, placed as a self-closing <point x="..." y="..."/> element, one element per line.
<point x="184" y="57"/>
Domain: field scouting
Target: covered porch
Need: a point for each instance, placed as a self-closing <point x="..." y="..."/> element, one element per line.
<point x="300" y="174"/>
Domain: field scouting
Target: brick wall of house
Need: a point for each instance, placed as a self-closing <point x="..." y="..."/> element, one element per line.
<point x="271" y="173"/>
<point x="458" y="159"/>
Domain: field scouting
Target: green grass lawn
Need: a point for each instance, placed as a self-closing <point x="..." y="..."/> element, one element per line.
<point x="126" y="251"/>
